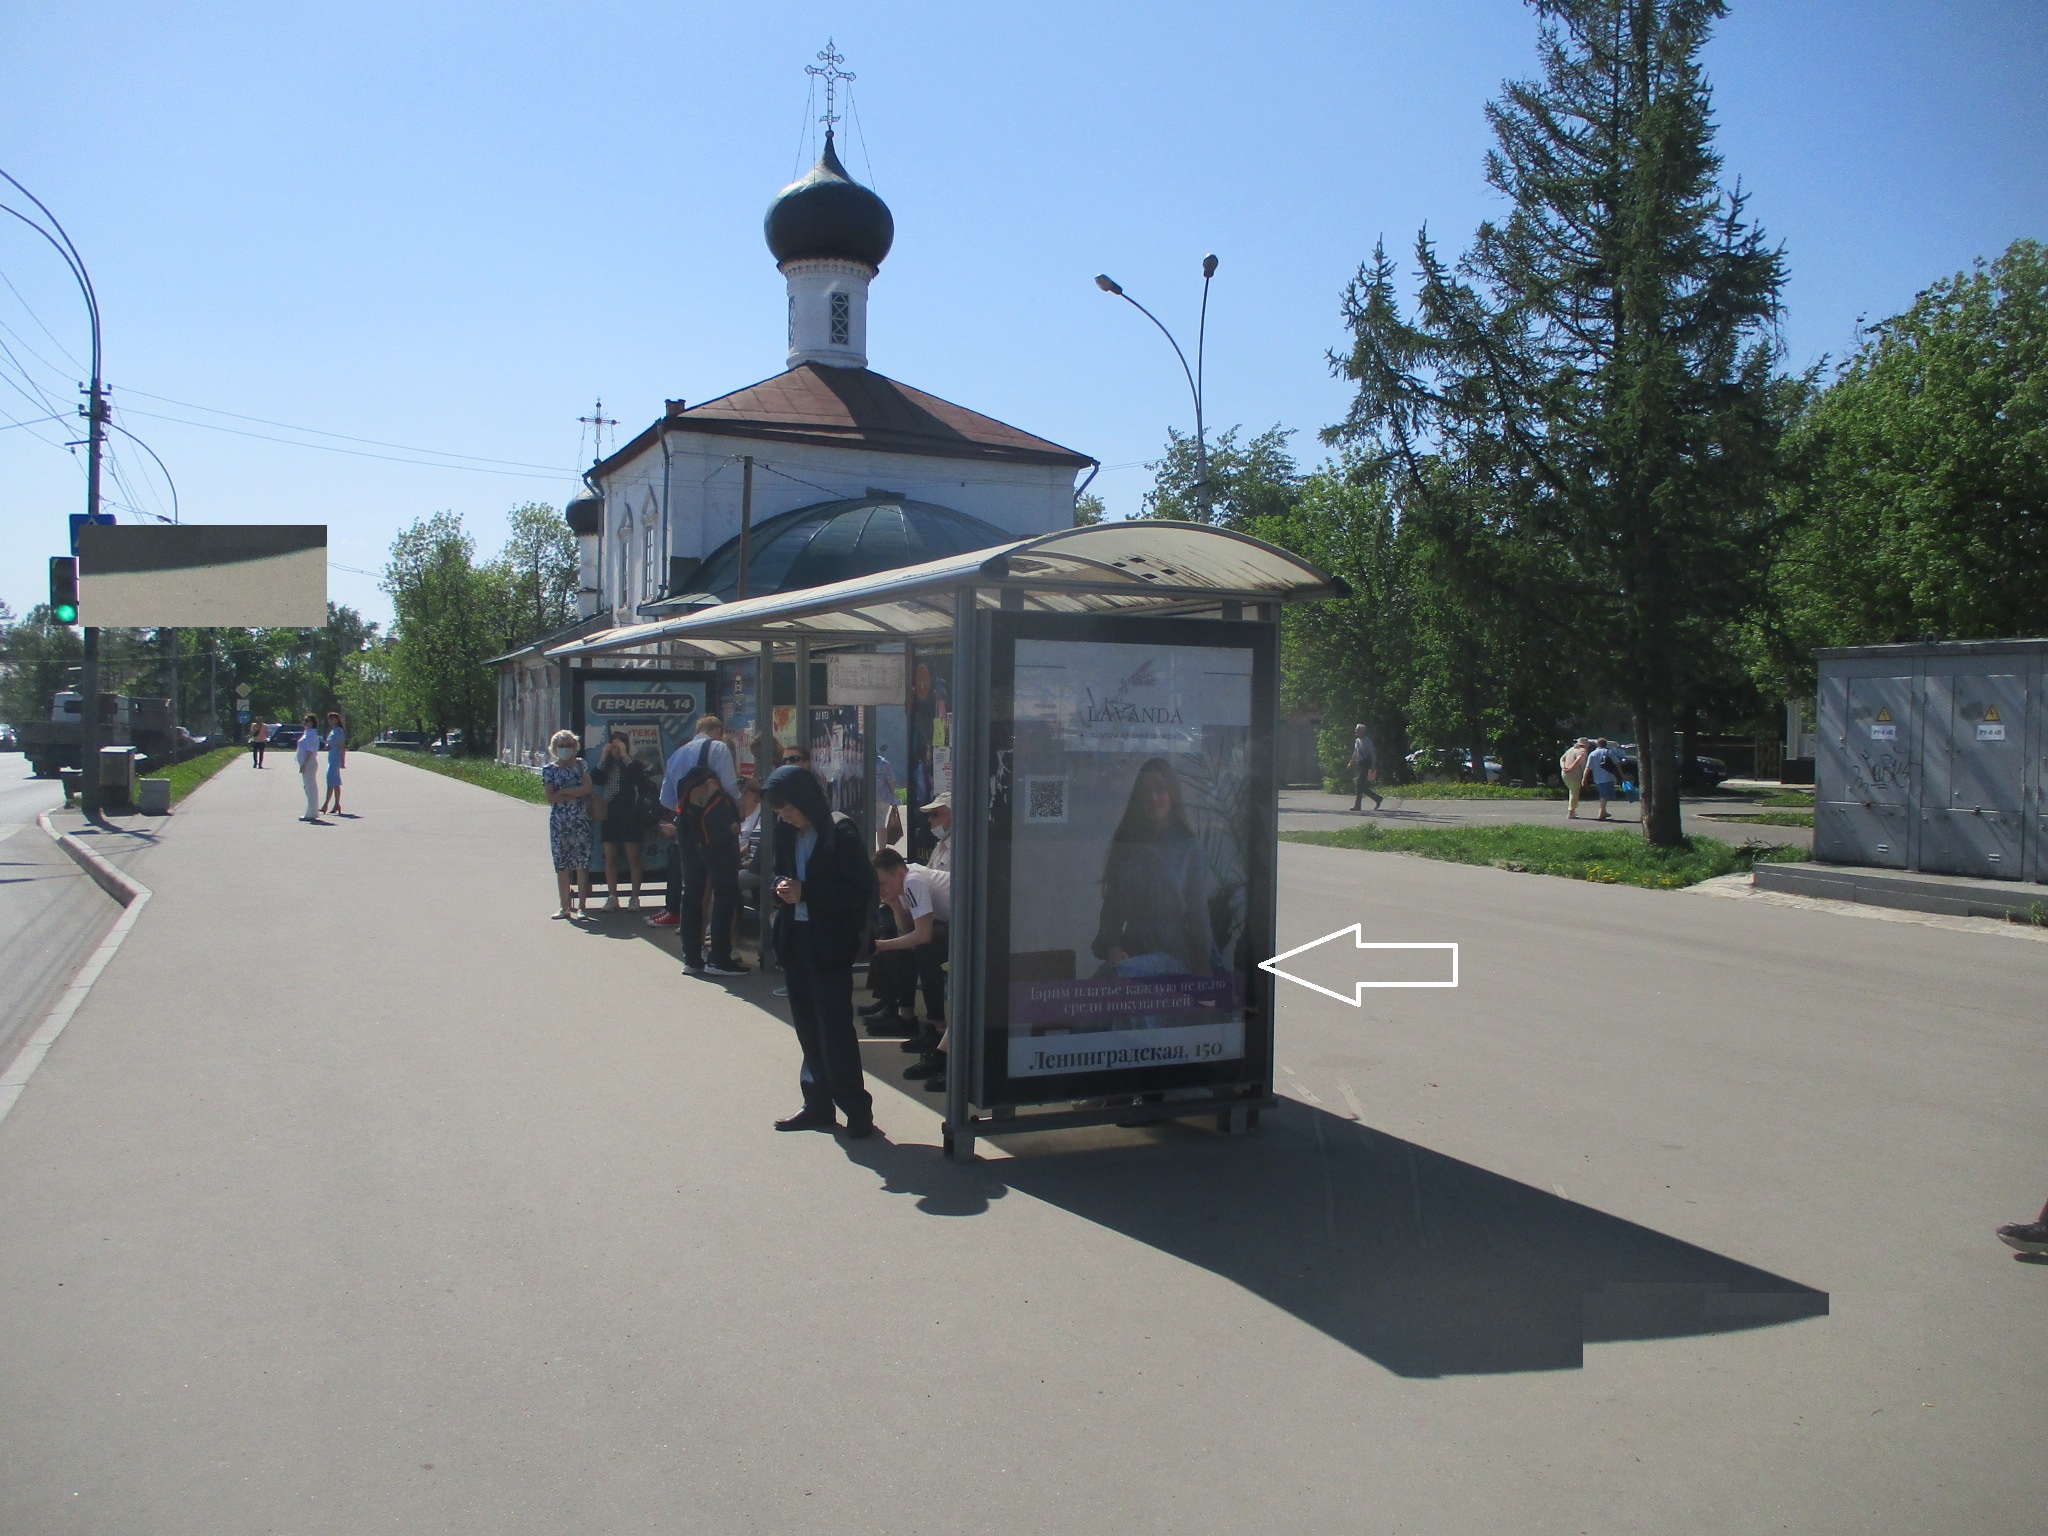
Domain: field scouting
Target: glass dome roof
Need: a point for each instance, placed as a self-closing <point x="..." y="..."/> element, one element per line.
<point x="838" y="540"/>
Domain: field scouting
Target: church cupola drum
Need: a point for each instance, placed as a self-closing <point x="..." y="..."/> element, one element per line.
<point x="828" y="234"/>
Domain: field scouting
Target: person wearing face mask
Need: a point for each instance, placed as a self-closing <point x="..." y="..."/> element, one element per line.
<point x="568" y="791"/>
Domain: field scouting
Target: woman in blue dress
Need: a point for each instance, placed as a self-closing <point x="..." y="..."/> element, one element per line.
<point x="568" y="791"/>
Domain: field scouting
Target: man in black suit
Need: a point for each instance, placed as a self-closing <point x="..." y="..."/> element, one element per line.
<point x="824" y="890"/>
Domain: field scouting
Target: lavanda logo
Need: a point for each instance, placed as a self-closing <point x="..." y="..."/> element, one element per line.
<point x="1119" y="709"/>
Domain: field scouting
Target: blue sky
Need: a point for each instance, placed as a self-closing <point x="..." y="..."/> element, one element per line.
<point x="454" y="226"/>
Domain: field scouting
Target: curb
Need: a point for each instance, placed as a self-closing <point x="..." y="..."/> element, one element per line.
<point x="133" y="897"/>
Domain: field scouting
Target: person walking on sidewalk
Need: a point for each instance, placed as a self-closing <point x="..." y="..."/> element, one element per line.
<point x="307" y="755"/>
<point x="1572" y="769"/>
<point x="824" y="891"/>
<point x="1364" y="768"/>
<point x="259" y="738"/>
<point x="708" y="748"/>
<point x="568" y="790"/>
<point x="1604" y="764"/>
<point x="337" y="754"/>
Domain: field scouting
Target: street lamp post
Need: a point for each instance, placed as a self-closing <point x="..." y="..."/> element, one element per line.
<point x="96" y="418"/>
<point x="1110" y="285"/>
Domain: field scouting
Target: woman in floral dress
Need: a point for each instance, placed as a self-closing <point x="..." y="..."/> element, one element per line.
<point x="568" y="791"/>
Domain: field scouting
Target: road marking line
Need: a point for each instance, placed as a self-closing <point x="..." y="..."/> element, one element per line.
<point x="133" y="897"/>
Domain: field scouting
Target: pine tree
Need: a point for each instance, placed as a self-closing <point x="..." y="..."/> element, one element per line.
<point x="1603" y="361"/>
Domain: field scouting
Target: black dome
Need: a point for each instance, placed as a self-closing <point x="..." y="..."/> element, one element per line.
<point x="838" y="540"/>
<point x="585" y="512"/>
<point x="829" y="214"/>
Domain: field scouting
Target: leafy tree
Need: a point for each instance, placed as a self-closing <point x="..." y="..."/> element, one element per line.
<point x="1603" y="360"/>
<point x="36" y="658"/>
<point x="1921" y="497"/>
<point x="1088" y="509"/>
<point x="364" y="692"/>
<point x="538" y="568"/>
<point x="450" y="619"/>
<point x="1259" y="479"/>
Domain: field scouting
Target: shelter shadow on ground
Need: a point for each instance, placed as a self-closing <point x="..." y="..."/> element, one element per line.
<point x="1427" y="1265"/>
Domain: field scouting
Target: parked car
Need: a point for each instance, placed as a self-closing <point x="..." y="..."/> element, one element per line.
<point x="283" y="738"/>
<point x="9" y="742"/>
<point x="450" y="745"/>
<point x="1703" y="773"/>
<point x="1425" y="762"/>
<point x="402" y="741"/>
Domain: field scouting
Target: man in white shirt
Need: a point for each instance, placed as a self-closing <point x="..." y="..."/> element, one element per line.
<point x="708" y="747"/>
<point x="920" y="903"/>
<point x="307" y="755"/>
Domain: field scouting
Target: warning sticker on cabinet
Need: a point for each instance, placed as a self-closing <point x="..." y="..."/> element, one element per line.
<point x="1882" y="728"/>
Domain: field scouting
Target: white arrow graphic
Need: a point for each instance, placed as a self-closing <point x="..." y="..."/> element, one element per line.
<point x="1356" y="998"/>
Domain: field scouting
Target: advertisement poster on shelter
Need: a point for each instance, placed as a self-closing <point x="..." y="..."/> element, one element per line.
<point x="1131" y="822"/>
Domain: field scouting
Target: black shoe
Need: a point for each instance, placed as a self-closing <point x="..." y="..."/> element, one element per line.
<point x="899" y="1027"/>
<point x="857" y="1130"/>
<point x="694" y="967"/>
<point x="868" y="1011"/>
<point x="808" y="1120"/>
<point x="935" y="1084"/>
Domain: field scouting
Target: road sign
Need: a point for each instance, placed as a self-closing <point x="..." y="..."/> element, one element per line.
<point x="78" y="521"/>
<point x="241" y="690"/>
<point x="242" y="715"/>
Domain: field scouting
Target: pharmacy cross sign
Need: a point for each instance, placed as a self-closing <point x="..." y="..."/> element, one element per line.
<point x="831" y="74"/>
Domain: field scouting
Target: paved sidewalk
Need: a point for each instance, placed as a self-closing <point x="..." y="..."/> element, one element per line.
<point x="360" y="1195"/>
<point x="1722" y="816"/>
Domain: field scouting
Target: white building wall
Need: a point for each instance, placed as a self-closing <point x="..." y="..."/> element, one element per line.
<point x="704" y="477"/>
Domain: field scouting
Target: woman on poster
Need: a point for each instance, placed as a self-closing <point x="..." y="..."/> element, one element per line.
<point x="1156" y="886"/>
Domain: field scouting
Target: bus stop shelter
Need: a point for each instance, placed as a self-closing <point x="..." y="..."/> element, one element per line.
<point x="1102" y="705"/>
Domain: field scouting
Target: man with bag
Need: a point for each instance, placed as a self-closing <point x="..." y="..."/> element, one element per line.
<point x="1364" y="766"/>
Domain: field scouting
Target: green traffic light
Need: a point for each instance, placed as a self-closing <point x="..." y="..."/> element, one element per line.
<point x="65" y="613"/>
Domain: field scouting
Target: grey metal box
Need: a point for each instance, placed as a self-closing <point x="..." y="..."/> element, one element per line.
<point x="1931" y="758"/>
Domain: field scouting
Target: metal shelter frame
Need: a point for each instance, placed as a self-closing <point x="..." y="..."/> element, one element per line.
<point x="1139" y="568"/>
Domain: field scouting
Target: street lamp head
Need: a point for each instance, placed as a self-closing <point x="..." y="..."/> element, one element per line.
<point x="1107" y="283"/>
<point x="1208" y="267"/>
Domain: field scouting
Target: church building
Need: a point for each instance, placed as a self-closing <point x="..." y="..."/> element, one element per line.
<point x="834" y="470"/>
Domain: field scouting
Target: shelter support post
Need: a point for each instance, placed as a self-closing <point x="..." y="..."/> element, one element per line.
<point x="970" y="839"/>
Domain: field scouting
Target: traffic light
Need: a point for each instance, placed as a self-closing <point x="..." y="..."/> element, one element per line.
<point x="64" y="589"/>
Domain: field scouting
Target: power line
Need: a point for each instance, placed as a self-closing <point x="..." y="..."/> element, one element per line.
<point x="4" y="278"/>
<point x="374" y="442"/>
<point x="358" y="453"/>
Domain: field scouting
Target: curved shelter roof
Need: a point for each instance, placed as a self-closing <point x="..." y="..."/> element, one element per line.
<point x="1107" y="568"/>
<point x="839" y="541"/>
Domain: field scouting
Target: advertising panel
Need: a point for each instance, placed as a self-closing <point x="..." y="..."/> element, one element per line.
<point x="1130" y="855"/>
<point x="739" y="708"/>
<point x="837" y="746"/>
<point x="656" y="712"/>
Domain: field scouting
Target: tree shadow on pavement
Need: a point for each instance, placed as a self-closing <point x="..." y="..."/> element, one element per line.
<point x="1429" y="1266"/>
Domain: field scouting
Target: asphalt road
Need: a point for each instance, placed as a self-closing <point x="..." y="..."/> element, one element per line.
<point x="1722" y="816"/>
<point x="51" y="914"/>
<point x="1675" y="1216"/>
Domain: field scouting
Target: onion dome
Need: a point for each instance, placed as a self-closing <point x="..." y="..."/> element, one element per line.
<point x="585" y="512"/>
<point x="827" y="215"/>
<point x="838" y="540"/>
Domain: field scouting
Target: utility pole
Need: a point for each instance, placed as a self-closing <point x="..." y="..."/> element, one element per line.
<point x="89" y="714"/>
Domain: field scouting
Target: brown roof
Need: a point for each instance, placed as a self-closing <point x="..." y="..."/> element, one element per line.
<point x="855" y="408"/>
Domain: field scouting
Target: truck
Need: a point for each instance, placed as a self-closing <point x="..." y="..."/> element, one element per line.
<point x="53" y="745"/>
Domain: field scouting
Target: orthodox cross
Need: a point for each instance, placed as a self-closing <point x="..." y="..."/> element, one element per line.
<point x="831" y="74"/>
<point x="597" y="421"/>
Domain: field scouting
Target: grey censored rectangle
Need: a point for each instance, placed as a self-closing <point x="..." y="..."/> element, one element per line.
<point x="254" y="574"/>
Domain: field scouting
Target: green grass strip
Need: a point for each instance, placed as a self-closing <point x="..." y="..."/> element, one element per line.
<point x="484" y="772"/>
<point x="1794" y="799"/>
<point x="1769" y="818"/>
<point x="195" y="771"/>
<point x="1608" y="858"/>
<point x="1454" y="791"/>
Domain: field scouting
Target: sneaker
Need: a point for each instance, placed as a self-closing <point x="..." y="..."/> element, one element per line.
<point x="892" y="1027"/>
<point x="868" y="1011"/>
<point x="693" y="967"/>
<point x="2027" y="1237"/>
<point x="665" y="920"/>
<point x="727" y="968"/>
<point x="931" y="1064"/>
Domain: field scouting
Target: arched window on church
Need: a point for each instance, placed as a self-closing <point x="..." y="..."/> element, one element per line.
<point x="647" y="553"/>
<point x="624" y="587"/>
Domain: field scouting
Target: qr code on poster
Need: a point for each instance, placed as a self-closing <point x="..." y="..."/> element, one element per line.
<point x="1045" y="799"/>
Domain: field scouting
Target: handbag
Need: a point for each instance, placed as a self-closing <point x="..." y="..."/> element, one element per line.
<point x="1372" y="775"/>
